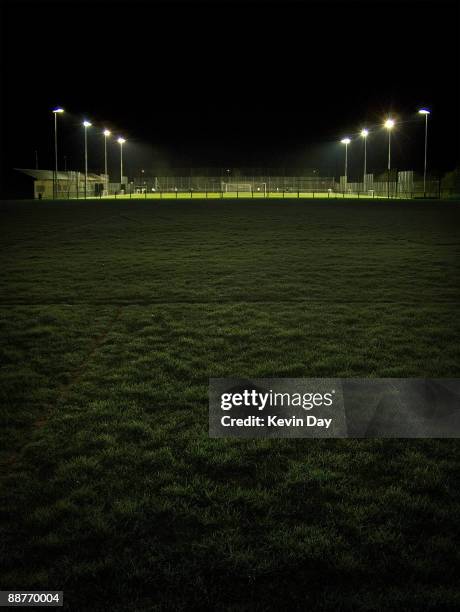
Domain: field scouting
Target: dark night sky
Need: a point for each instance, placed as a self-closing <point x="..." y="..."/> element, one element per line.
<point x="226" y="83"/>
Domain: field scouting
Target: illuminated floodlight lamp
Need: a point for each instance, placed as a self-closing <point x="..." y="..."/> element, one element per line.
<point x="58" y="110"/>
<point x="345" y="141"/>
<point x="121" y="140"/>
<point x="364" y="133"/>
<point x="107" y="132"/>
<point x="389" y="124"/>
<point x="87" y="124"/>
<point x="423" y="111"/>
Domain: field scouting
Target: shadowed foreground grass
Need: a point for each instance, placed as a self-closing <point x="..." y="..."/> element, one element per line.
<point x="113" y="316"/>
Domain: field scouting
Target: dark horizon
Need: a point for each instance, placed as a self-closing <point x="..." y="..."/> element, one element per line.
<point x="229" y="84"/>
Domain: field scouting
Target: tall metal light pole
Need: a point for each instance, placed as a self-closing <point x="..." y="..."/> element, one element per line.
<point x="121" y="142"/>
<point x="424" y="111"/>
<point x="365" y="134"/>
<point x="86" y="125"/>
<point x="106" y="134"/>
<point x="56" y="112"/>
<point x="389" y="124"/>
<point x="346" y="142"/>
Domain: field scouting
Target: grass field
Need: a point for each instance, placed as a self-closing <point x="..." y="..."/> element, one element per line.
<point x="113" y="315"/>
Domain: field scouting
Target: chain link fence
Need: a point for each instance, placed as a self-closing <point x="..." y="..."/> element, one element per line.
<point x="404" y="185"/>
<point x="144" y="193"/>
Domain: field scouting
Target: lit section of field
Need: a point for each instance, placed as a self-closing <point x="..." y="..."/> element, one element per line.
<point x="242" y="195"/>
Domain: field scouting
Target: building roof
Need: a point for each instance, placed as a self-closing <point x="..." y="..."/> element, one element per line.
<point x="48" y="175"/>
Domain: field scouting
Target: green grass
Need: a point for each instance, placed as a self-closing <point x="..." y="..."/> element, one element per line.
<point x="113" y="316"/>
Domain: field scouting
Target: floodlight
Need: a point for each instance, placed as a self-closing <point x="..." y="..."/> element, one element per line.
<point x="56" y="111"/>
<point x="121" y="141"/>
<point x="346" y="142"/>
<point x="365" y="134"/>
<point x="86" y="125"/>
<point x="389" y="124"/>
<point x="106" y="134"/>
<point x="425" y="112"/>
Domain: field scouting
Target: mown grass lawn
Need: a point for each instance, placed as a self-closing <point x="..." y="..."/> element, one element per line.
<point x="113" y="316"/>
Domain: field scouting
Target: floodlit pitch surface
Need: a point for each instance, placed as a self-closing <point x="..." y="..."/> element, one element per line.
<point x="242" y="195"/>
<point x="113" y="317"/>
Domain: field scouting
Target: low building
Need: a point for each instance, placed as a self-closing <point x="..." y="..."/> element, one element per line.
<point x="65" y="185"/>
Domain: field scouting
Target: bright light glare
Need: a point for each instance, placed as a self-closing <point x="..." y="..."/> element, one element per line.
<point x="87" y="124"/>
<point x="107" y="132"/>
<point x="121" y="140"/>
<point x="345" y="141"/>
<point x="364" y="133"/>
<point x="423" y="111"/>
<point x="58" y="110"/>
<point x="389" y="124"/>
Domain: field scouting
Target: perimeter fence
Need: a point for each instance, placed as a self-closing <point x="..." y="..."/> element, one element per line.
<point x="400" y="185"/>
